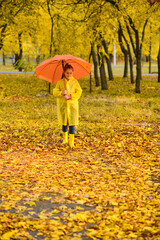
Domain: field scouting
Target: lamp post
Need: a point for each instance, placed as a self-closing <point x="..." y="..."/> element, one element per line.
<point x="158" y="57"/>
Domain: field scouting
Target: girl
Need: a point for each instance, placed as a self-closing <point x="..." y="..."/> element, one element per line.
<point x="68" y="91"/>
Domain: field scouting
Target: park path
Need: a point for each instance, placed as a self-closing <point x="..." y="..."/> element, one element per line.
<point x="15" y="72"/>
<point x="117" y="70"/>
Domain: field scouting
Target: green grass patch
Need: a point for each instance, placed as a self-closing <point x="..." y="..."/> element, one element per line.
<point x="28" y="112"/>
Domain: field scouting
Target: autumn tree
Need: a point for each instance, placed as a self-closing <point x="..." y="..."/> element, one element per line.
<point x="51" y="8"/>
<point x="19" y="19"/>
<point x="158" y="59"/>
<point x="58" y="33"/>
<point x="126" y="49"/>
<point x="9" y="10"/>
<point x="95" y="63"/>
<point x="99" y="32"/>
<point x="134" y="17"/>
<point x="157" y="20"/>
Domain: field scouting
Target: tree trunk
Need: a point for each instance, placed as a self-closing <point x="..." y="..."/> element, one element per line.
<point x="90" y="81"/>
<point x="4" y="60"/>
<point x="158" y="58"/>
<point x="20" y="48"/>
<point x="137" y="50"/>
<point x="95" y="63"/>
<point x="94" y="56"/>
<point x="51" y="43"/>
<point x="104" y="85"/>
<point x="38" y="59"/>
<point x="138" y="71"/>
<point x="49" y="87"/>
<point x="51" y="40"/>
<point x="108" y="60"/>
<point x="125" y="74"/>
<point x="120" y="35"/>
<point x="18" y="56"/>
<point x="2" y="35"/>
<point x="51" y="47"/>
<point x="138" y="62"/>
<point x="123" y="49"/>
<point x="131" y="64"/>
<point x="150" y="56"/>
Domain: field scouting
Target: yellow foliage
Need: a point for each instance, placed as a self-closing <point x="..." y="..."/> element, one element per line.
<point x="8" y="235"/>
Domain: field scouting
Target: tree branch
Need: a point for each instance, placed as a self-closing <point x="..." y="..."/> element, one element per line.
<point x="131" y="23"/>
<point x="120" y="35"/>
<point x="49" y="10"/>
<point x="130" y="36"/>
<point x="143" y="33"/>
<point x="2" y="35"/>
<point x="113" y="3"/>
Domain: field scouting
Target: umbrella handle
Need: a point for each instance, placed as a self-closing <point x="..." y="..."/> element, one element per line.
<point x="62" y="75"/>
<point x="64" y="84"/>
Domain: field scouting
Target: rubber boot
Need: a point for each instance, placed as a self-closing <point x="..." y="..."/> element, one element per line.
<point x="65" y="137"/>
<point x="71" y="140"/>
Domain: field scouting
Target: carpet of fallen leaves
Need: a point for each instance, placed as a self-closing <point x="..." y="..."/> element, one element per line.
<point x="107" y="187"/>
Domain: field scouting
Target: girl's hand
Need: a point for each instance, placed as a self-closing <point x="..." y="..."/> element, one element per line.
<point x="67" y="97"/>
<point x="64" y="93"/>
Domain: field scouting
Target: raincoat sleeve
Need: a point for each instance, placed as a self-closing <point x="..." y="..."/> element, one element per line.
<point x="57" y="90"/>
<point x="77" y="93"/>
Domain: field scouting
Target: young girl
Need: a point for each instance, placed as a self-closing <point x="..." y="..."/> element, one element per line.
<point x="68" y="91"/>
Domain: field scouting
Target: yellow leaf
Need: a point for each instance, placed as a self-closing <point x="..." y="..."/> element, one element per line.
<point x="1" y="227"/>
<point x="119" y="145"/>
<point x="31" y="203"/>
<point x="58" y="233"/>
<point x="82" y="217"/>
<point x="8" y="235"/>
<point x="55" y="211"/>
<point x="92" y="233"/>
<point x="82" y="201"/>
<point x="39" y="234"/>
<point x="133" y="235"/>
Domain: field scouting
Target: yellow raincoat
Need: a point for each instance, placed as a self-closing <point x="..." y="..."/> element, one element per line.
<point x="68" y="110"/>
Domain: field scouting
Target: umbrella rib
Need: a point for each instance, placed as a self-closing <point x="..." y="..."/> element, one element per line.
<point x="59" y="62"/>
<point x="81" y="66"/>
<point x="70" y="61"/>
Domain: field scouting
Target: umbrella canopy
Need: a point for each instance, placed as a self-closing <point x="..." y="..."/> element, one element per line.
<point x="51" y="69"/>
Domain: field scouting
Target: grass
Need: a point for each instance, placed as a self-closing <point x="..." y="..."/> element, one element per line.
<point x="27" y="107"/>
<point x="107" y="187"/>
<point x="7" y="67"/>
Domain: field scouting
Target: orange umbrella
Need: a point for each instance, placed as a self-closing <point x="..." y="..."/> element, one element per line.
<point x="51" y="69"/>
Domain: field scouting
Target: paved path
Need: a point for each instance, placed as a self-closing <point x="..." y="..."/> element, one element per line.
<point x="14" y="72"/>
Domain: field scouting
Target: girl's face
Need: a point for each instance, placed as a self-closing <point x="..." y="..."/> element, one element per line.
<point x="68" y="73"/>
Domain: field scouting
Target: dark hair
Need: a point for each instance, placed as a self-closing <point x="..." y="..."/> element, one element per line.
<point x="67" y="66"/>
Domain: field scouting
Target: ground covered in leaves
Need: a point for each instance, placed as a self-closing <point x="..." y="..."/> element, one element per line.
<point x="107" y="187"/>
